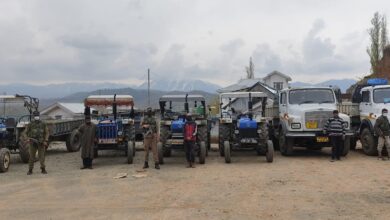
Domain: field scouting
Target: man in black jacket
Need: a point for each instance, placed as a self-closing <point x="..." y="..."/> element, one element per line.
<point x="382" y="129"/>
<point x="334" y="127"/>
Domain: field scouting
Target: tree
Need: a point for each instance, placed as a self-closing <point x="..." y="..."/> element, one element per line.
<point x="379" y="40"/>
<point x="250" y="70"/>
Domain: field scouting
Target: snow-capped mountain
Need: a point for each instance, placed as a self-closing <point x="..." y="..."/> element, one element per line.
<point x="180" y="85"/>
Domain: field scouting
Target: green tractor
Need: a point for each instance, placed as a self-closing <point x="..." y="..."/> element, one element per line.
<point x="243" y="125"/>
<point x="173" y="117"/>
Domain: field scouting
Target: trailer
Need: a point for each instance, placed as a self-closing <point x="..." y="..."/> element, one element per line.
<point x="12" y="128"/>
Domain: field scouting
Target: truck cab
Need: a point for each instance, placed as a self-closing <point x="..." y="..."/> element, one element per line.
<point x="302" y="115"/>
<point x="371" y="99"/>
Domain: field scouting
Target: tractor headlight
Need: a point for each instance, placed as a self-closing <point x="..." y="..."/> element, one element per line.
<point x="120" y="133"/>
<point x="236" y="131"/>
<point x="296" y="125"/>
<point x="259" y="131"/>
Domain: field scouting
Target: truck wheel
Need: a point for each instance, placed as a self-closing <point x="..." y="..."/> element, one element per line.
<point x="73" y="142"/>
<point x="5" y="159"/>
<point x="130" y="152"/>
<point x="202" y="152"/>
<point x="224" y="135"/>
<point x="270" y="152"/>
<point x="347" y="146"/>
<point x="160" y="151"/>
<point x="23" y="151"/>
<point x="285" y="145"/>
<point x="226" y="147"/>
<point x="369" y="142"/>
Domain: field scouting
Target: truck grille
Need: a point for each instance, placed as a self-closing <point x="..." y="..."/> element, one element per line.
<point x="317" y="117"/>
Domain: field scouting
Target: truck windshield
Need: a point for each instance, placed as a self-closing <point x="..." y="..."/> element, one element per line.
<point x="382" y="95"/>
<point x="309" y="96"/>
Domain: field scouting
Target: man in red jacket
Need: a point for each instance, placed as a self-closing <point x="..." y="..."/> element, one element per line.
<point x="190" y="132"/>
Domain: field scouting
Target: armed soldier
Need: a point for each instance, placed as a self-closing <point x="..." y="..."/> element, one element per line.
<point x="149" y="125"/>
<point x="382" y="129"/>
<point x="37" y="135"/>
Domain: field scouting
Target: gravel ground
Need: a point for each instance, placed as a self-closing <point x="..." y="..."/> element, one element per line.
<point x="303" y="186"/>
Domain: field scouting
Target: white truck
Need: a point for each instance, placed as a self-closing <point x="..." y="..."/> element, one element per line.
<point x="367" y="103"/>
<point x="299" y="116"/>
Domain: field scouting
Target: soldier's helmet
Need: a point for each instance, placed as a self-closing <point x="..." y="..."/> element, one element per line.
<point x="35" y="113"/>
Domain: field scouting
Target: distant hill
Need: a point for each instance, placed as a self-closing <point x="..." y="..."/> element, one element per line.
<point x="343" y="84"/>
<point x="140" y="96"/>
<point x="181" y="85"/>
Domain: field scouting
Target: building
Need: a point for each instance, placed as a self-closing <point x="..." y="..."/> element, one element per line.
<point x="277" y="80"/>
<point x="61" y="110"/>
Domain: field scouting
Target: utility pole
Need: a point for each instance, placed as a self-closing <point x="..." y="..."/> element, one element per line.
<point x="148" y="87"/>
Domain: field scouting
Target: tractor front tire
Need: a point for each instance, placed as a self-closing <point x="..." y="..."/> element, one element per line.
<point x="227" y="152"/>
<point x="202" y="152"/>
<point x="224" y="135"/>
<point x="160" y="152"/>
<point x="130" y="152"/>
<point x="5" y="159"/>
<point x="270" y="152"/>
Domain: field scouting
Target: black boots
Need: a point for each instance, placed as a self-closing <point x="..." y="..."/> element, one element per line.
<point x="43" y="171"/>
<point x="157" y="166"/>
<point x="29" y="172"/>
<point x="146" y="165"/>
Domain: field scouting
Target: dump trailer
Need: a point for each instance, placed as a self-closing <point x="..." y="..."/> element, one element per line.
<point x="241" y="126"/>
<point x="173" y="117"/>
<point x="299" y="116"/>
<point x="114" y="117"/>
<point x="368" y="100"/>
<point x="12" y="128"/>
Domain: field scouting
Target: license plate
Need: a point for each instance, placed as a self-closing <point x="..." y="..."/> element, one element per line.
<point x="311" y="125"/>
<point x="107" y="141"/>
<point x="176" y="142"/>
<point x="322" y="139"/>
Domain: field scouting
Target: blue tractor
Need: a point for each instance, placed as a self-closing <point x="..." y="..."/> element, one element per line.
<point x="242" y="124"/>
<point x="173" y="117"/>
<point x="115" y="126"/>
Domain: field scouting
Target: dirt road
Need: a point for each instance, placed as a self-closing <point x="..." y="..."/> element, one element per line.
<point x="304" y="186"/>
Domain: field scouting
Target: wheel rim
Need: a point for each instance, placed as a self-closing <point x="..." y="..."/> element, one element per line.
<point x="6" y="161"/>
<point x="365" y="142"/>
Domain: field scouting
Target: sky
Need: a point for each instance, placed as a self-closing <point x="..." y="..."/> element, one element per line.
<point x="57" y="41"/>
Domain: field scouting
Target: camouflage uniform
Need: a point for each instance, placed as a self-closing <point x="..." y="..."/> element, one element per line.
<point x="150" y="137"/>
<point x="38" y="134"/>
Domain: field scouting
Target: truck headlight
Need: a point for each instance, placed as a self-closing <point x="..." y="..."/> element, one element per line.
<point x="296" y="125"/>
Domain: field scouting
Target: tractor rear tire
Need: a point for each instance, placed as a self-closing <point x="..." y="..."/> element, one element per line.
<point x="73" y="141"/>
<point x="5" y="159"/>
<point x="203" y="135"/>
<point x="160" y="152"/>
<point x="369" y="142"/>
<point x="202" y="152"/>
<point x="270" y="152"/>
<point x="23" y="151"/>
<point x="224" y="135"/>
<point x="285" y="144"/>
<point x="130" y="152"/>
<point x="347" y="146"/>
<point x="353" y="143"/>
<point x="227" y="151"/>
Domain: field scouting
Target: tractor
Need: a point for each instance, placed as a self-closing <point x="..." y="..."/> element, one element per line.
<point x="114" y="117"/>
<point x="242" y="124"/>
<point x="173" y="117"/>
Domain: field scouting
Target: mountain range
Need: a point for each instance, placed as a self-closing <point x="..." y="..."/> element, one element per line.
<point x="343" y="84"/>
